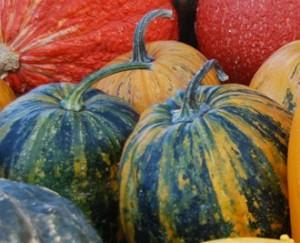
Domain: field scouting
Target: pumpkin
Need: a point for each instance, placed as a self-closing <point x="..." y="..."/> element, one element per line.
<point x="45" y="41"/>
<point x="283" y="239"/>
<point x="69" y="138"/>
<point x="208" y="163"/>
<point x="172" y="65"/>
<point x="34" y="214"/>
<point x="243" y="34"/>
<point x="7" y="95"/>
<point x="279" y="75"/>
<point x="294" y="175"/>
<point x="186" y="11"/>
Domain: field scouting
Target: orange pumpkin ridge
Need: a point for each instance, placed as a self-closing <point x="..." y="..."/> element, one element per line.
<point x="278" y="77"/>
<point x="294" y="174"/>
<point x="6" y="94"/>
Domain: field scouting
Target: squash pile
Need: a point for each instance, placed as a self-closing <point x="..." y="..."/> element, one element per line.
<point x="98" y="142"/>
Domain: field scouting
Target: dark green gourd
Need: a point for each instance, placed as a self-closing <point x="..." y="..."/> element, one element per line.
<point x="208" y="163"/>
<point x="33" y="214"/>
<point x="69" y="138"/>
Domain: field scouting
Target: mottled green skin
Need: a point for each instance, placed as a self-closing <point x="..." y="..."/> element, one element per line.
<point x="72" y="153"/>
<point x="169" y="191"/>
<point x="289" y="101"/>
<point x="34" y="214"/>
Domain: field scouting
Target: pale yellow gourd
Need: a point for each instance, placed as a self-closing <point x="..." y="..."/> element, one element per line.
<point x="283" y="239"/>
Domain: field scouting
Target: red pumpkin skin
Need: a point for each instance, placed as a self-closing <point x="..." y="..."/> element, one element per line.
<point x="66" y="40"/>
<point x="242" y="34"/>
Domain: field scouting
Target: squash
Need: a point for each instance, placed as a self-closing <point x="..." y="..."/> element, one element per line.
<point x="45" y="41"/>
<point x="34" y="214"/>
<point x="69" y="138"/>
<point x="243" y="34"/>
<point x="283" y="239"/>
<point x="172" y="65"/>
<point x="294" y="174"/>
<point x="208" y="163"/>
<point x="279" y="75"/>
<point x="7" y="95"/>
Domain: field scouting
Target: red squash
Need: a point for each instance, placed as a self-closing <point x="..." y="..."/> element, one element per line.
<point x="242" y="34"/>
<point x="48" y="40"/>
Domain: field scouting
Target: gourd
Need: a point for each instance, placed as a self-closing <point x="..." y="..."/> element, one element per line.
<point x="208" y="163"/>
<point x="6" y="94"/>
<point x="279" y="75"/>
<point x="283" y="239"/>
<point x="172" y="65"/>
<point x="294" y="174"/>
<point x="33" y="214"/>
<point x="243" y="34"/>
<point x="45" y="41"/>
<point x="69" y="138"/>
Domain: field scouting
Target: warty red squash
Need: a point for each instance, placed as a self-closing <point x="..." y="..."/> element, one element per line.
<point x="243" y="34"/>
<point x="48" y="41"/>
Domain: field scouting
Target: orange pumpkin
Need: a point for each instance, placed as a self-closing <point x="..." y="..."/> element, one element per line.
<point x="173" y="65"/>
<point x="279" y="75"/>
<point x="283" y="239"/>
<point x="294" y="174"/>
<point x="6" y="94"/>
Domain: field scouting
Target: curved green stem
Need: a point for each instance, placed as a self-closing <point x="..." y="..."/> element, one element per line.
<point x="190" y="98"/>
<point x="139" y="49"/>
<point x="74" y="100"/>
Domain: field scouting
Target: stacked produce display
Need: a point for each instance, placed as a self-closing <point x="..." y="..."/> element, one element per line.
<point x="149" y="121"/>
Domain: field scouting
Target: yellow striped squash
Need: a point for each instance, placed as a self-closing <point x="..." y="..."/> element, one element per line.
<point x="208" y="163"/>
<point x="69" y="138"/>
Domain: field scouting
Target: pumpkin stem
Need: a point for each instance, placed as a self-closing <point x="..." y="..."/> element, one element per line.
<point x="190" y="98"/>
<point x="139" y="50"/>
<point x="9" y="60"/>
<point x="74" y="100"/>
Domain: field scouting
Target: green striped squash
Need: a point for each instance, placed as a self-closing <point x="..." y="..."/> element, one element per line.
<point x="31" y="214"/>
<point x="209" y="163"/>
<point x="69" y="138"/>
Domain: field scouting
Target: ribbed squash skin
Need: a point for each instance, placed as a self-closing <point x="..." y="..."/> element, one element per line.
<point x="66" y="40"/>
<point x="6" y="94"/>
<point x="221" y="174"/>
<point x="174" y="64"/>
<point x="278" y="76"/>
<point x="73" y="153"/>
<point x="294" y="174"/>
<point x="34" y="214"/>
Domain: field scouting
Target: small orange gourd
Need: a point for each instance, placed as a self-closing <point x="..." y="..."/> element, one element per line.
<point x="172" y="65"/>
<point x="294" y="174"/>
<point x="6" y="94"/>
<point x="278" y="77"/>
